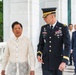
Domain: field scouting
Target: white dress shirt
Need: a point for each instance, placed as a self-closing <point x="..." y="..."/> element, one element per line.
<point x="70" y="32"/>
<point x="16" y="55"/>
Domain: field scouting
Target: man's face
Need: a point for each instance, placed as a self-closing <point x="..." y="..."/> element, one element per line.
<point x="70" y="27"/>
<point x="17" y="30"/>
<point x="48" y="19"/>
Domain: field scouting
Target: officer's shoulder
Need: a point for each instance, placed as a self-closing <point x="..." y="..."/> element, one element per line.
<point x="63" y="25"/>
<point x="43" y="26"/>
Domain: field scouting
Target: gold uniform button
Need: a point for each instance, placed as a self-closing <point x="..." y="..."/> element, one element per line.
<point x="49" y="50"/>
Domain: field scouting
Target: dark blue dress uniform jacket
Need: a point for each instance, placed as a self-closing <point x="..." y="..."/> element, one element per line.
<point x="74" y="46"/>
<point x="54" y="46"/>
<point x="74" y="41"/>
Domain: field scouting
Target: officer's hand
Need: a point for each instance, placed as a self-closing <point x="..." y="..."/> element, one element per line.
<point x="62" y="66"/>
<point x="3" y="72"/>
<point x="40" y="60"/>
<point x="32" y="73"/>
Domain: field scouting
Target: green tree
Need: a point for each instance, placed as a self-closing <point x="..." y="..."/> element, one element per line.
<point x="1" y="21"/>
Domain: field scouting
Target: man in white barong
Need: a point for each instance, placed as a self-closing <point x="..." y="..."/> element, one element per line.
<point x="16" y="53"/>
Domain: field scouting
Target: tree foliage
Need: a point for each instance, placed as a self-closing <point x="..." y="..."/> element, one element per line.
<point x="1" y="21"/>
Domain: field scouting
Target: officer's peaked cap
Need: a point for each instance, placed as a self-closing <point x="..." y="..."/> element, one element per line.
<point x="47" y="11"/>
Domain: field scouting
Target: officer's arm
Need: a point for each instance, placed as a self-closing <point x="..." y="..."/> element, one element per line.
<point x="66" y="41"/>
<point x="41" y="44"/>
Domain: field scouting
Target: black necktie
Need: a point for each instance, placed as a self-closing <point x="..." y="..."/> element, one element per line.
<point x="51" y="28"/>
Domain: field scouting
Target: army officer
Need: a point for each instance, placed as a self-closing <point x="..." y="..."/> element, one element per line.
<point x="53" y="36"/>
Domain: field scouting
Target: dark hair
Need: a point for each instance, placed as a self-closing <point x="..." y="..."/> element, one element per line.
<point x="70" y="24"/>
<point x="16" y="22"/>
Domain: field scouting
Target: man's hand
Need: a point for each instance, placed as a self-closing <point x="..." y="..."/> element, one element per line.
<point x="62" y="66"/>
<point x="40" y="60"/>
<point x="32" y="73"/>
<point x="71" y="51"/>
<point x="3" y="72"/>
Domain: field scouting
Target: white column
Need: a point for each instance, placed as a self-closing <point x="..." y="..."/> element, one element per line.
<point x="35" y="31"/>
<point x="63" y="11"/>
<point x="6" y="19"/>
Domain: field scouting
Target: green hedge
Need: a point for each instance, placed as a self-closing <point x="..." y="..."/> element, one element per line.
<point x="1" y="21"/>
